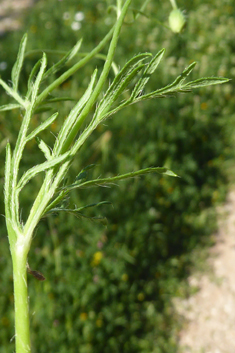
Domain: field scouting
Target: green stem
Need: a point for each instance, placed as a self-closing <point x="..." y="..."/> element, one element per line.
<point x="100" y="83"/>
<point x="22" y="330"/>
<point x="63" y="52"/>
<point x="173" y="3"/>
<point x="119" y="7"/>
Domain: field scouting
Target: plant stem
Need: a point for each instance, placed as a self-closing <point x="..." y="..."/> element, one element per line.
<point x="22" y="330"/>
<point x="101" y="81"/>
<point x="173" y="3"/>
<point x="42" y="197"/>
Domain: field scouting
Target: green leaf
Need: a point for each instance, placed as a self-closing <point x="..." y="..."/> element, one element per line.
<point x="32" y="77"/>
<point x="64" y="190"/>
<point x="205" y="81"/>
<point x="83" y="173"/>
<point x="15" y="73"/>
<point x="8" y="192"/>
<point x="9" y="107"/>
<point x="44" y="148"/>
<point x="92" y="205"/>
<point x="73" y="117"/>
<point x="121" y="81"/>
<point x="42" y="127"/>
<point x="181" y="78"/>
<point x="41" y="168"/>
<point x="69" y="56"/>
<point x="152" y="66"/>
<point x="177" y="84"/>
<point x="7" y="175"/>
<point x="98" y="182"/>
<point x="13" y="93"/>
<point x="62" y="208"/>
<point x="81" y="177"/>
<point x="42" y="109"/>
<point x="81" y="181"/>
<point x="175" y="87"/>
<point x="78" y="214"/>
<point x="58" y="99"/>
<point x="38" y="80"/>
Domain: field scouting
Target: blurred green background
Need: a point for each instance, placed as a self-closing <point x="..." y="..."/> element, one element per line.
<point x="110" y="288"/>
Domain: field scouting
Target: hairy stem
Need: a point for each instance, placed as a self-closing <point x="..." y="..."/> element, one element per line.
<point x="22" y="330"/>
<point x="101" y="81"/>
<point x="42" y="199"/>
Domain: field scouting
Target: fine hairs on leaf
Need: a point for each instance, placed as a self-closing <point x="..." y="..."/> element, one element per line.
<point x="90" y="111"/>
<point x="15" y="73"/>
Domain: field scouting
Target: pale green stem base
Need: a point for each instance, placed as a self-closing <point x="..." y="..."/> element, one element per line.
<point x="22" y="334"/>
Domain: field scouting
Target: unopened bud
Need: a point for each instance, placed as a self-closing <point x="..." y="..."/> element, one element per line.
<point x="176" y="20"/>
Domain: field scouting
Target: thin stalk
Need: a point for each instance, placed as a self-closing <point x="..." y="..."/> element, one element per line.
<point x="173" y="3"/>
<point x="63" y="52"/>
<point x="101" y="81"/>
<point x="119" y="7"/>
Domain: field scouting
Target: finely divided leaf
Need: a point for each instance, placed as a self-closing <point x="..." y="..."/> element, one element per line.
<point x="152" y="66"/>
<point x="98" y="182"/>
<point x="77" y="211"/>
<point x="181" y="78"/>
<point x="174" y="87"/>
<point x="121" y="81"/>
<point x="206" y="81"/>
<point x="15" y="73"/>
<point x="81" y="181"/>
<point x="93" y="205"/>
<point x="64" y="190"/>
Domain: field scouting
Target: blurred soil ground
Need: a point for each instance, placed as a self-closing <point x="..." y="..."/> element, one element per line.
<point x="210" y="313"/>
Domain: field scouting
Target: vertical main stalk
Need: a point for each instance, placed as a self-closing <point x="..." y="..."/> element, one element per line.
<point x="22" y="332"/>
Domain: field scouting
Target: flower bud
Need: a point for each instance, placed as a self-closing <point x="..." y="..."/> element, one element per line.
<point x="176" y="20"/>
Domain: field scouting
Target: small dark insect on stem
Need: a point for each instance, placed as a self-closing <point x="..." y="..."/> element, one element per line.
<point x="35" y="274"/>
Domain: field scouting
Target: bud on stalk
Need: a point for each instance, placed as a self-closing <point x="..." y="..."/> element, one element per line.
<point x="176" y="20"/>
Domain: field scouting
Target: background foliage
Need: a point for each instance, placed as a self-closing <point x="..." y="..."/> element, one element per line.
<point x="109" y="289"/>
